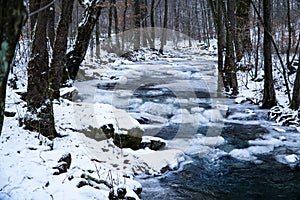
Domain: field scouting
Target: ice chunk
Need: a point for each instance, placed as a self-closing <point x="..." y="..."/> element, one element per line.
<point x="291" y="158"/>
<point x="157" y="108"/>
<point x="260" y="149"/>
<point x="213" y="115"/>
<point x="271" y="142"/>
<point x="242" y="154"/>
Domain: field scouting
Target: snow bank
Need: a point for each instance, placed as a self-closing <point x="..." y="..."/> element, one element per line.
<point x="28" y="160"/>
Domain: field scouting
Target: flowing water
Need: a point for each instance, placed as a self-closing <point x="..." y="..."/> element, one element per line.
<point x="176" y="99"/>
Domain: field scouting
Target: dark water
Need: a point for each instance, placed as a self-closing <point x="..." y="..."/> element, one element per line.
<point x="227" y="177"/>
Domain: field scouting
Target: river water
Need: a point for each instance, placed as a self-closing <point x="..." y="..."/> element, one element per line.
<point x="176" y="98"/>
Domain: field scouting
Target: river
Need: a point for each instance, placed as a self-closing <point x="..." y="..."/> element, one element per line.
<point x="176" y="98"/>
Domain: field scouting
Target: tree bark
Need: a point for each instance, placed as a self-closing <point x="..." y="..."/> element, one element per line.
<point x="76" y="56"/>
<point x="269" y="98"/>
<point x="40" y="116"/>
<point x="164" y="31"/>
<point x="124" y="23"/>
<point x="152" y="24"/>
<point x="296" y="92"/>
<point x="97" y="32"/>
<point x="60" y="48"/>
<point x="12" y="18"/>
<point x="34" y="5"/>
<point x="51" y="25"/>
<point x="116" y="21"/>
<point x="242" y="37"/>
<point x="137" y="35"/>
<point x="230" y="66"/>
<point x="218" y="16"/>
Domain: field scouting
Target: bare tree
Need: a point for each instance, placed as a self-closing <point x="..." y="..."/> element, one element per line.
<point x="58" y="62"/>
<point x="40" y="116"/>
<point x="76" y="56"/>
<point x="230" y="65"/>
<point x="152" y="24"/>
<point x="137" y="21"/>
<point x="218" y="15"/>
<point x="242" y="37"/>
<point x="164" y="32"/>
<point x="269" y="98"/>
<point x="12" y="18"/>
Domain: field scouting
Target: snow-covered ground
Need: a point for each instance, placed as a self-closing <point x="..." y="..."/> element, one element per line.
<point x="28" y="159"/>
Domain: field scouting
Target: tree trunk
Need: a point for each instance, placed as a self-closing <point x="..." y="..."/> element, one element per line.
<point x="124" y="24"/>
<point x="116" y="21"/>
<point x="137" y="16"/>
<point x="76" y="56"/>
<point x="98" y="40"/>
<point x="40" y="116"/>
<point x="144" y="12"/>
<point x="164" y="31"/>
<point x="51" y="25"/>
<point x="34" y="5"/>
<point x="110" y="18"/>
<point x="296" y="92"/>
<point x="242" y="37"/>
<point x="60" y="48"/>
<point x="269" y="98"/>
<point x="218" y="16"/>
<point x="12" y="18"/>
<point x="152" y="24"/>
<point x="230" y="66"/>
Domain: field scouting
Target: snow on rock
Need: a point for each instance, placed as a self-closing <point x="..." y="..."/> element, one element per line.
<point x="146" y="118"/>
<point x="199" y="144"/>
<point x="267" y="142"/>
<point x="213" y="115"/>
<point x="186" y="118"/>
<point x="158" y="162"/>
<point x="279" y="130"/>
<point x="260" y="149"/>
<point x="69" y="92"/>
<point x="223" y="109"/>
<point x="208" y="141"/>
<point x="292" y="160"/>
<point x="157" y="109"/>
<point x="153" y="143"/>
<point x="97" y="115"/>
<point x="242" y="154"/>
<point x="100" y="120"/>
<point x="240" y="100"/>
<point x="196" y="110"/>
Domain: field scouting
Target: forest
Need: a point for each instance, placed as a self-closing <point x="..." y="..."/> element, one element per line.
<point x="159" y="81"/>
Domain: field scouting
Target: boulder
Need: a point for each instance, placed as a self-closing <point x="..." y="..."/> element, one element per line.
<point x="64" y="164"/>
<point x="152" y="143"/>
<point x="128" y="133"/>
<point x="103" y="121"/>
<point x="69" y="93"/>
